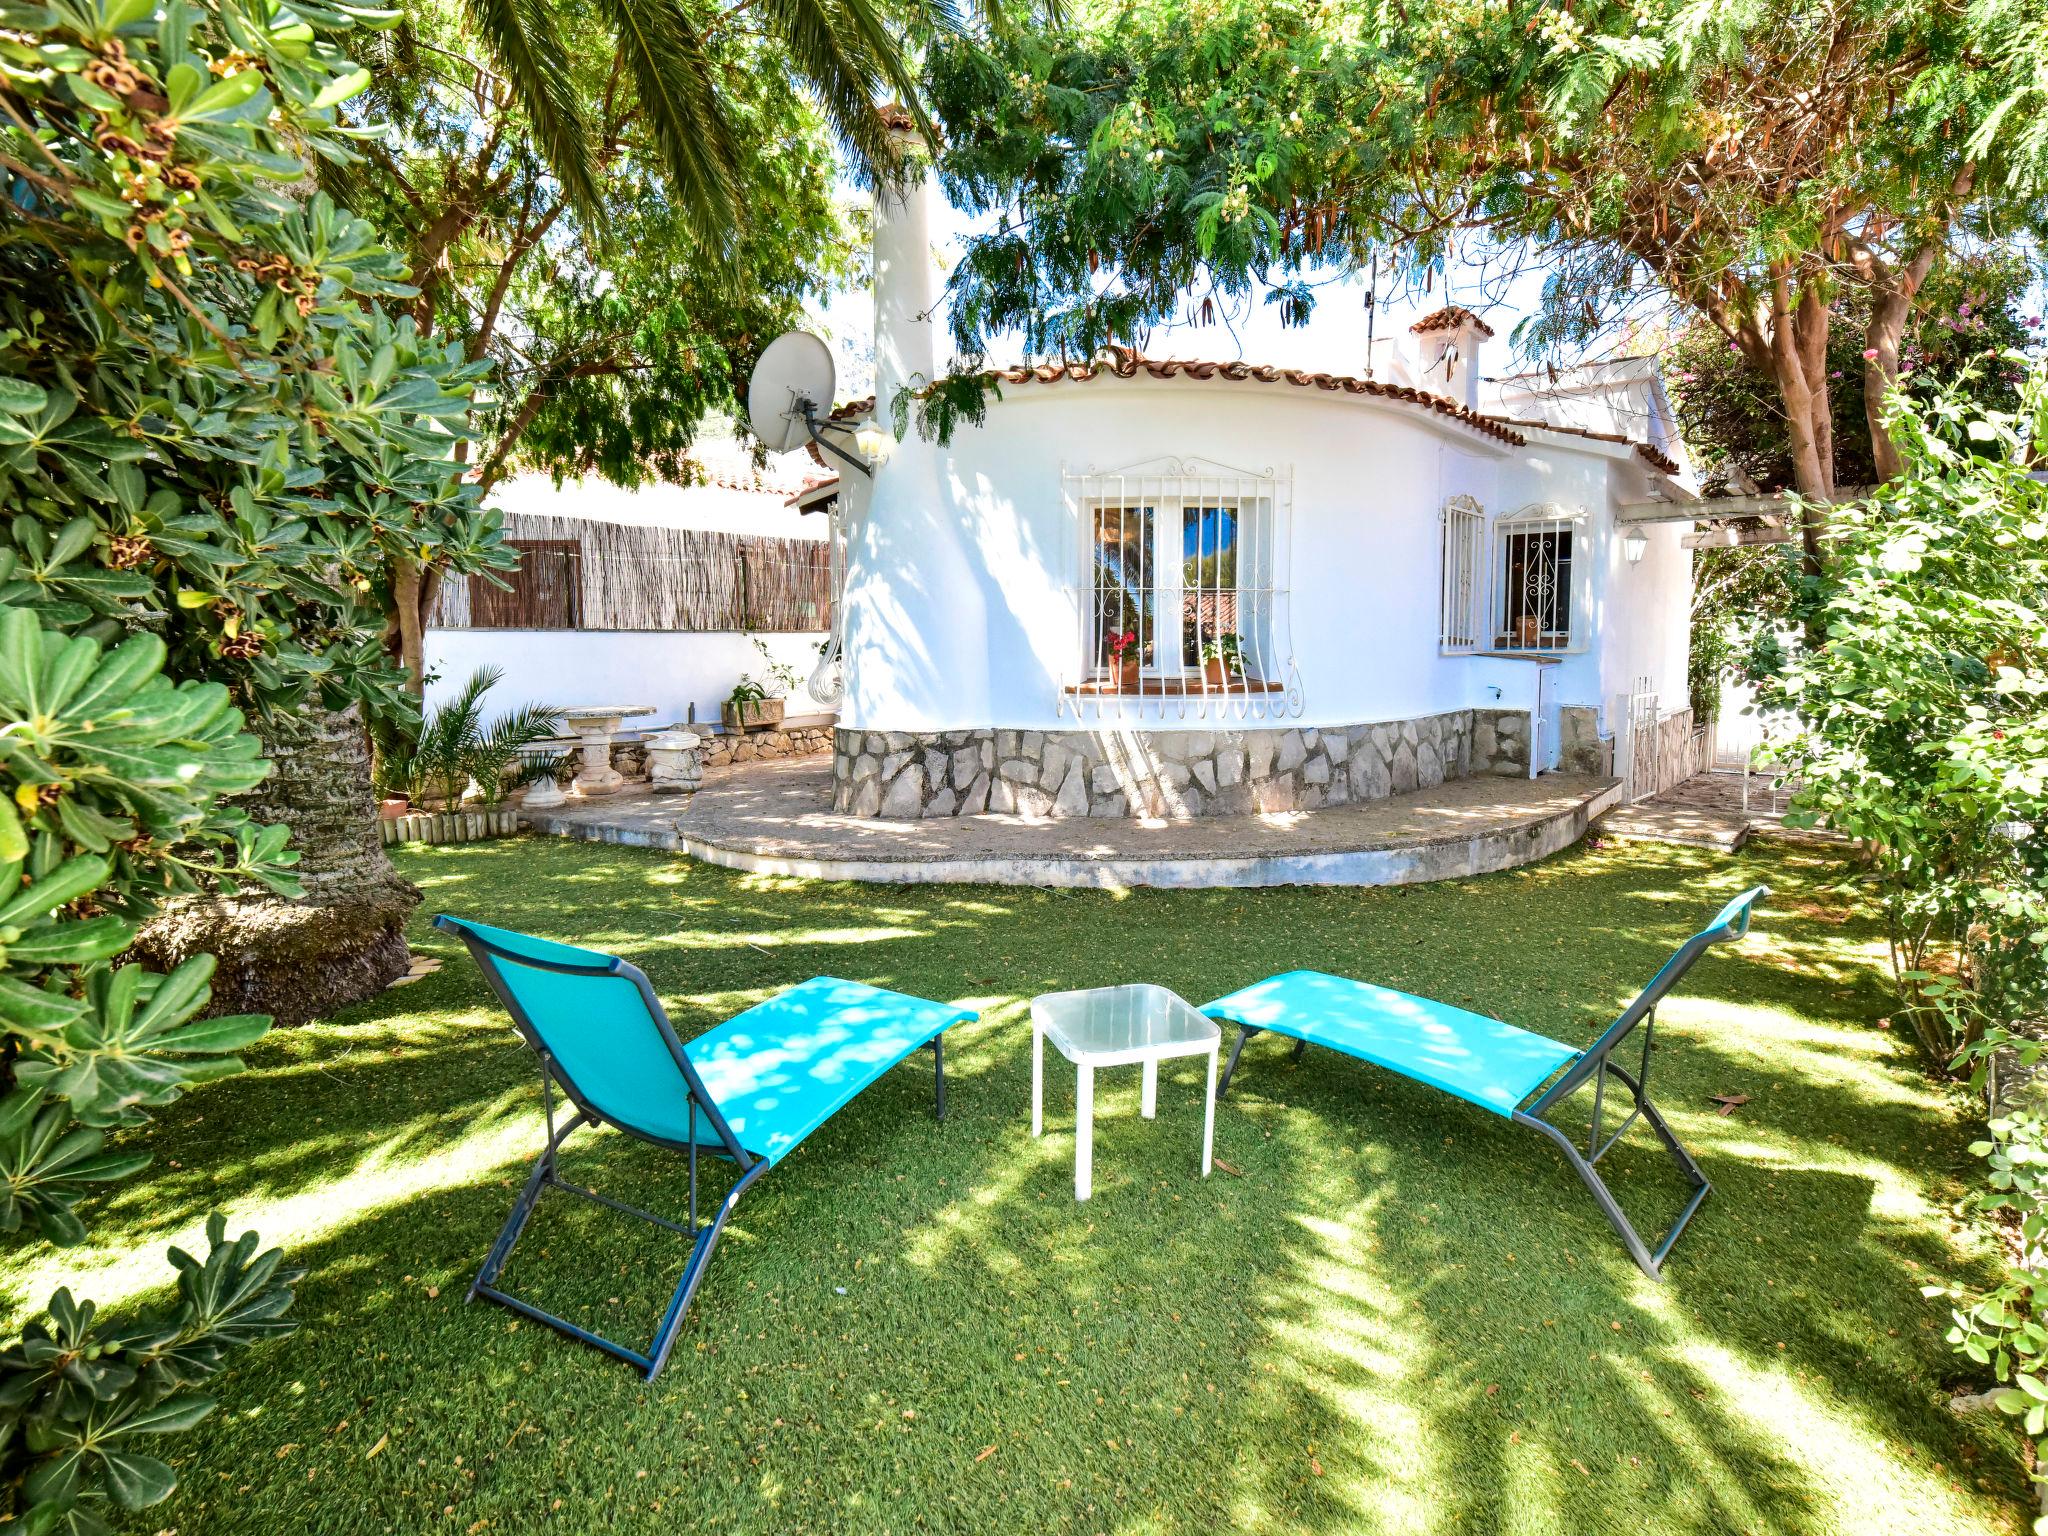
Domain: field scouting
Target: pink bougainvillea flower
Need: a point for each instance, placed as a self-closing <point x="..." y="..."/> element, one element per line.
<point x="1870" y="354"/>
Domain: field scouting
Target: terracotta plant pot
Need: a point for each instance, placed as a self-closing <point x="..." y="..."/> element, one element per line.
<point x="1529" y="630"/>
<point x="1125" y="669"/>
<point x="1216" y="672"/>
<point x="393" y="807"/>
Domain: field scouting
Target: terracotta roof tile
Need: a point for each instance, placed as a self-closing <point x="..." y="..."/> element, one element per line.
<point x="812" y="483"/>
<point x="1448" y="318"/>
<point x="1123" y="363"/>
<point x="1650" y="452"/>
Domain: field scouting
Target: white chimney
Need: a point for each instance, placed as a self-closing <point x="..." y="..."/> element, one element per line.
<point x="1449" y="340"/>
<point x="905" y="281"/>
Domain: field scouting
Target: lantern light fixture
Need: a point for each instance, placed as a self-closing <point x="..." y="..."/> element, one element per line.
<point x="874" y="443"/>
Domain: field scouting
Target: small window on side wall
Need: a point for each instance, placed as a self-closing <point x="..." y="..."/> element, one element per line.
<point x="1536" y="566"/>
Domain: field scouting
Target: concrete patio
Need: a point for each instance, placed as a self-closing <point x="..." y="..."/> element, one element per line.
<point x="1707" y="811"/>
<point x="775" y="818"/>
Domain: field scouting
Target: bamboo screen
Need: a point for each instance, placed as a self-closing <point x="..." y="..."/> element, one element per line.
<point x="575" y="574"/>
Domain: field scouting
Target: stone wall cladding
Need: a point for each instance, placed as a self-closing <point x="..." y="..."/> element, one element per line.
<point x="629" y="755"/>
<point x="1500" y="742"/>
<point x="1579" y="748"/>
<point x="756" y="746"/>
<point x="1170" y="774"/>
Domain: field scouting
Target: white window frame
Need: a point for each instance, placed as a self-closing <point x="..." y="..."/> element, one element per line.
<point x="1168" y="489"/>
<point x="1462" y="609"/>
<point x="1508" y="609"/>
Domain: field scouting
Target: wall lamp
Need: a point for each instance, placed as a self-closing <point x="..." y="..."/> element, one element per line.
<point x="874" y="443"/>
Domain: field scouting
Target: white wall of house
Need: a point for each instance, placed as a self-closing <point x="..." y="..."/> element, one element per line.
<point x="967" y="566"/>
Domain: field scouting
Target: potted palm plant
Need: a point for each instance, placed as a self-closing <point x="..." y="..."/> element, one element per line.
<point x="456" y="756"/>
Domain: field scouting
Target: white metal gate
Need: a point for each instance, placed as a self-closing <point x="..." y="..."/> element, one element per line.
<point x="1637" y="739"/>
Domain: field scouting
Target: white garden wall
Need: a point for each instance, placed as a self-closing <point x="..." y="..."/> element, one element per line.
<point x="670" y="671"/>
<point x="570" y="667"/>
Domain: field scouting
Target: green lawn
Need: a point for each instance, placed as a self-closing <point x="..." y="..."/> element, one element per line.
<point x="1403" y="1315"/>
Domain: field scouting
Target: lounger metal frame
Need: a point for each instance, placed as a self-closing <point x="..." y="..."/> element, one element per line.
<point x="703" y="1235"/>
<point x="1597" y="1063"/>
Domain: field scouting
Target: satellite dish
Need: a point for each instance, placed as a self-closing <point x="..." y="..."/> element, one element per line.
<point x="792" y="386"/>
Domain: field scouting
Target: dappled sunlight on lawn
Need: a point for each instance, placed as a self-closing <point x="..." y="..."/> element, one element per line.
<point x="1844" y="1459"/>
<point x="394" y="1172"/>
<point x="1387" y="1313"/>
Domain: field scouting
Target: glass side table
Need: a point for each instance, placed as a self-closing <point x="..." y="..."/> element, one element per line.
<point x="1114" y="1027"/>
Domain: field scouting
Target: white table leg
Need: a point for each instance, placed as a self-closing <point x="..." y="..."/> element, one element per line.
<point x="1209" y="1117"/>
<point x="1084" y="1133"/>
<point x="1037" y="1081"/>
<point x="1148" y="1094"/>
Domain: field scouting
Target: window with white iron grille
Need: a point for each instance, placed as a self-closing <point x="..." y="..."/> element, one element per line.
<point x="1461" y="624"/>
<point x="1539" y="573"/>
<point x="1181" y="593"/>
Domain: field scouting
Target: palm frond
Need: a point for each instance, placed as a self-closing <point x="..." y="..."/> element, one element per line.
<point x="522" y="37"/>
<point x="845" y="51"/>
<point x="492" y="758"/>
<point x="676" y="85"/>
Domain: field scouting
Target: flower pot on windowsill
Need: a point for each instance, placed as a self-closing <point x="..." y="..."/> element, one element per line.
<point x="751" y="714"/>
<point x="1528" y="631"/>
<point x="1125" y="670"/>
<point x="1218" y="673"/>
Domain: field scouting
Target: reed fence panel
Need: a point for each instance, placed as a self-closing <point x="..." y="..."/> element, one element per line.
<point x="575" y="574"/>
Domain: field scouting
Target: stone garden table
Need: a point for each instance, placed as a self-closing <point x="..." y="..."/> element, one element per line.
<point x="595" y="725"/>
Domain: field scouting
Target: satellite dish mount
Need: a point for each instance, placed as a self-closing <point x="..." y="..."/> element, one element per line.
<point x="789" y="401"/>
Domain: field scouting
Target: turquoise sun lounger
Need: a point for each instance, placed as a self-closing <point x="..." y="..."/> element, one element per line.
<point x="748" y="1091"/>
<point x="1493" y="1065"/>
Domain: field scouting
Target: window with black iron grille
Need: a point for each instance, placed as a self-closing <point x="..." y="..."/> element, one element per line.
<point x="1538" y="605"/>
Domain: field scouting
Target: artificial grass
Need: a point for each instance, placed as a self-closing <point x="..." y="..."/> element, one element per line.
<point x="1402" y="1315"/>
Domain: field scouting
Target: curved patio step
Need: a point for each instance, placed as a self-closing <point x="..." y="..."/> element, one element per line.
<point x="775" y="819"/>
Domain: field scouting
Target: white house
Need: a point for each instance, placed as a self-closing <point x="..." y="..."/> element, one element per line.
<point x="1167" y="587"/>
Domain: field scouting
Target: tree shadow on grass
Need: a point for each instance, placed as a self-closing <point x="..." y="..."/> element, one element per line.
<point x="1204" y="1357"/>
<point x="914" y="1326"/>
<point x="1567" y="1390"/>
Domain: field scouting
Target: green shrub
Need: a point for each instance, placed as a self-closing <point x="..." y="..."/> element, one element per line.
<point x="1924" y="711"/>
<point x="214" y="443"/>
<point x="454" y="748"/>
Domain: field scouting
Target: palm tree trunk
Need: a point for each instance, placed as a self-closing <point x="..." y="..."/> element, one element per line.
<point x="344" y="940"/>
